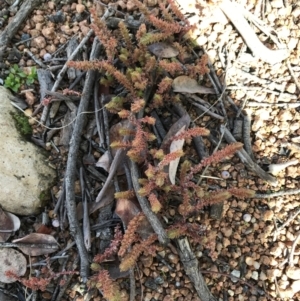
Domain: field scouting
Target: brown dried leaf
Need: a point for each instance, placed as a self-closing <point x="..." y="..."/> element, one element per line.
<point x="36" y="239"/>
<point x="185" y="84"/>
<point x="127" y="210"/>
<point x="13" y="261"/>
<point x="163" y="50"/>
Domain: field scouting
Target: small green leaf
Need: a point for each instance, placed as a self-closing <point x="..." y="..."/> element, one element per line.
<point x="22" y="74"/>
<point x="15" y="88"/>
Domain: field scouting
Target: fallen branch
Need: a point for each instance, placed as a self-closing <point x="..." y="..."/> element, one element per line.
<point x="190" y="264"/>
<point x="71" y="167"/>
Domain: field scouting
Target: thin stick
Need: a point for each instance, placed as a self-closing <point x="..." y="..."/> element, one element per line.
<point x="62" y="72"/>
<point x="98" y="115"/>
<point x="276" y="105"/>
<point x="24" y="245"/>
<point x="291" y="218"/>
<point x="246" y="134"/>
<point x="206" y="110"/>
<point x="39" y="62"/>
<point x="276" y="194"/>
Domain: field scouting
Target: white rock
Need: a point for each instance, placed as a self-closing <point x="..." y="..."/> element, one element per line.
<point x="247" y="217"/>
<point x="25" y="178"/>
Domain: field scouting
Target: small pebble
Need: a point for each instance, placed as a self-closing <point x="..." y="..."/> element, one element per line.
<point x="225" y="174"/>
<point x="231" y="293"/>
<point x="256" y="265"/>
<point x="236" y="274"/>
<point x="55" y="223"/>
<point x="249" y="261"/>
<point x="247" y="217"/>
<point x="254" y="275"/>
<point x="159" y="280"/>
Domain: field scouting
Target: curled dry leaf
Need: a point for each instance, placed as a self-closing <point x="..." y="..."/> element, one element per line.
<point x="16" y="221"/>
<point x="13" y="261"/>
<point x="37" y="239"/>
<point x="6" y="226"/>
<point x="163" y="50"/>
<point x="183" y="121"/>
<point x="185" y="84"/>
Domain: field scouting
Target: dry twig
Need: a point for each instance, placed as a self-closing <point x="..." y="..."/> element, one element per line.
<point x="71" y="167"/>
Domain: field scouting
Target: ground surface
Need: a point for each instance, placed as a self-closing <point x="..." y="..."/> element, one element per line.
<point x="254" y="238"/>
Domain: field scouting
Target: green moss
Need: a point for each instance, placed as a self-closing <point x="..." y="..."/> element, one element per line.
<point x="42" y="196"/>
<point x="22" y="124"/>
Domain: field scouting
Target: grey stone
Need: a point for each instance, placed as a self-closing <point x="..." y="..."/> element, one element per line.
<point x="25" y="176"/>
